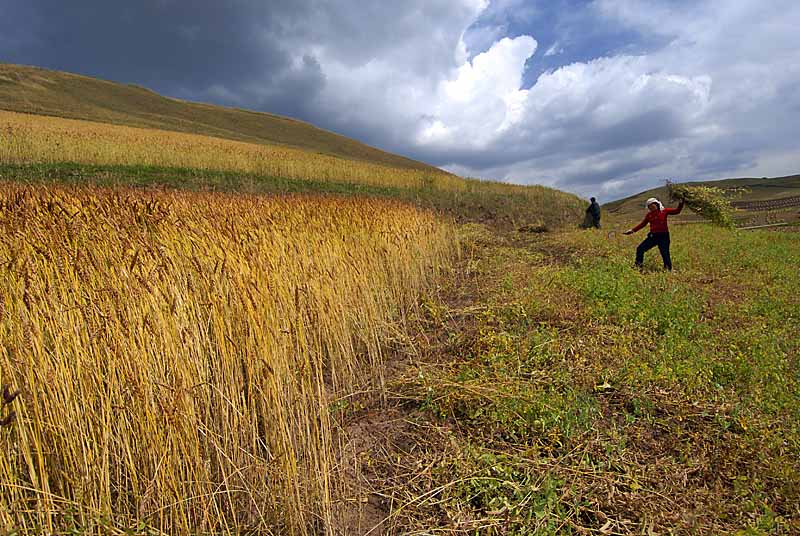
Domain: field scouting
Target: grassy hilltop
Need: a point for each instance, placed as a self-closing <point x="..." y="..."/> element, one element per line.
<point x="59" y="94"/>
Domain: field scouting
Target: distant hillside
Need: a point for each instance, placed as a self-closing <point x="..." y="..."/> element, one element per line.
<point x="40" y="91"/>
<point x="779" y="194"/>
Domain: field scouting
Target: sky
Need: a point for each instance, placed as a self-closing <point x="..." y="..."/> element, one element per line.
<point x="601" y="98"/>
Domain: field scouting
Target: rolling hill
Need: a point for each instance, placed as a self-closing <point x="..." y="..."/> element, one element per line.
<point x="54" y="93"/>
<point x="62" y="127"/>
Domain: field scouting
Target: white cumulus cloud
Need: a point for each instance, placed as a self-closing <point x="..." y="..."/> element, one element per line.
<point x="482" y="100"/>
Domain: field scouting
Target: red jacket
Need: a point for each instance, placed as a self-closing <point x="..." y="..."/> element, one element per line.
<point x="658" y="219"/>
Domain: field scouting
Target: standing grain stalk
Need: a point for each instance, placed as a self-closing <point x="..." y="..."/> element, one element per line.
<point x="177" y="352"/>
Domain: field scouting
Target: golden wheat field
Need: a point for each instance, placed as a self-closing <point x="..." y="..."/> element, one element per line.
<point x="177" y="353"/>
<point x="35" y="139"/>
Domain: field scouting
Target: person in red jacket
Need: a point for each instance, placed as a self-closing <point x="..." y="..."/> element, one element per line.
<point x="659" y="232"/>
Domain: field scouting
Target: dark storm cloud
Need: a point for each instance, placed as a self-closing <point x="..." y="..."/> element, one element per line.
<point x="149" y="41"/>
<point x="16" y="23"/>
<point x="178" y="48"/>
<point x="649" y="127"/>
<point x="584" y="180"/>
<point x="571" y="139"/>
<point x="248" y="53"/>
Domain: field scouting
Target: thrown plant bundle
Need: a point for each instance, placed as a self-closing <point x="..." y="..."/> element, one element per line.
<point x="707" y="201"/>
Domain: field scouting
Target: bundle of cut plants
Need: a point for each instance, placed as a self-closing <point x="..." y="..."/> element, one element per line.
<point x="707" y="201"/>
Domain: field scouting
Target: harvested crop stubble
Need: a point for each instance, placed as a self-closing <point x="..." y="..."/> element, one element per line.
<point x="177" y="352"/>
<point x="707" y="201"/>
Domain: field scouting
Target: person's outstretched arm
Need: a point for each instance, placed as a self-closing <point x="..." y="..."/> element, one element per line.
<point x="675" y="210"/>
<point x="634" y="229"/>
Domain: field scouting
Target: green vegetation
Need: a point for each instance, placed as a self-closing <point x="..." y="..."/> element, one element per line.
<point x="707" y="201"/>
<point x="575" y="394"/>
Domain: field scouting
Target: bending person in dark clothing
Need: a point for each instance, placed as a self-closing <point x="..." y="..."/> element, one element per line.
<point x="659" y="232"/>
<point x="593" y="212"/>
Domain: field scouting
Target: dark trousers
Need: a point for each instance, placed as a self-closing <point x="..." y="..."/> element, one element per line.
<point x="655" y="239"/>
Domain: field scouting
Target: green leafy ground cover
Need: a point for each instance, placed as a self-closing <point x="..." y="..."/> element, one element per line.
<point x="575" y="395"/>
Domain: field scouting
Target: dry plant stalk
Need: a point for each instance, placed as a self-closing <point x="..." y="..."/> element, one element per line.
<point x="178" y="351"/>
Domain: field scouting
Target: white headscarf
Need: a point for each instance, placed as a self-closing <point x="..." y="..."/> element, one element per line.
<point x="656" y="201"/>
